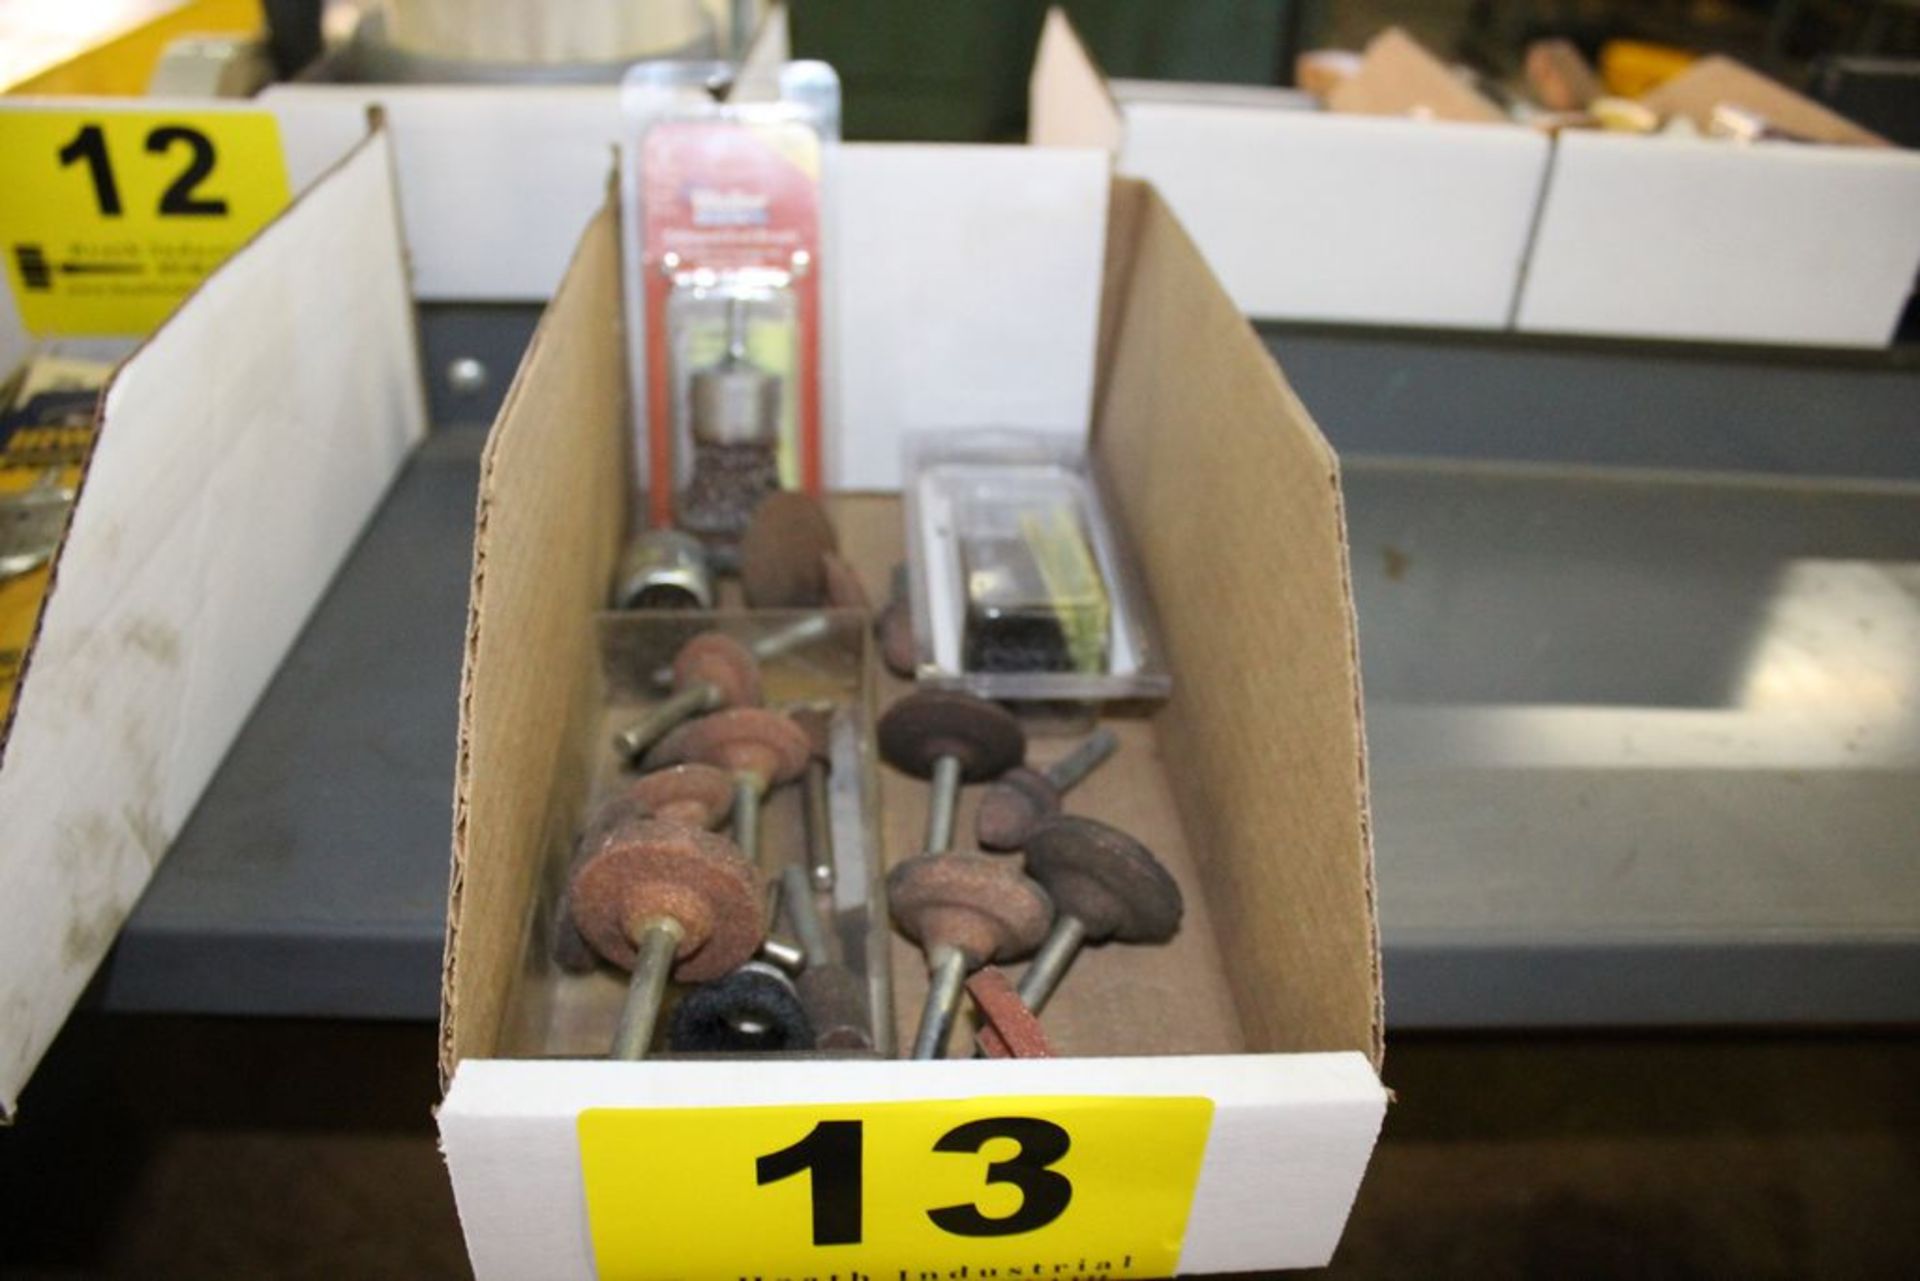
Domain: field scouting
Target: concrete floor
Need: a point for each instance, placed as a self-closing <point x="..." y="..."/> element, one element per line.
<point x="159" y="1148"/>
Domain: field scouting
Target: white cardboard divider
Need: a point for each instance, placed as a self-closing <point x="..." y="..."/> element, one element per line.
<point x="241" y="451"/>
<point x="966" y="293"/>
<point x="496" y="182"/>
<point x="1290" y="1140"/>
<point x="1773" y="242"/>
<point x="1309" y="215"/>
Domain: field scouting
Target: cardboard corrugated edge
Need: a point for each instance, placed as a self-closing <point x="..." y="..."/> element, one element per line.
<point x="1294" y="989"/>
<point x="1398" y="77"/>
<point x="1714" y="80"/>
<point x="563" y="571"/>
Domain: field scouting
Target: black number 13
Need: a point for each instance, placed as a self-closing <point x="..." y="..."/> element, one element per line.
<point x="831" y="1151"/>
<point x="178" y="200"/>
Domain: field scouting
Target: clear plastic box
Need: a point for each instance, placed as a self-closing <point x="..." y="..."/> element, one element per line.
<point x="1022" y="589"/>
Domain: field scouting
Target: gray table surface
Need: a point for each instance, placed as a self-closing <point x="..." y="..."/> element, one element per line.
<point x="1645" y="733"/>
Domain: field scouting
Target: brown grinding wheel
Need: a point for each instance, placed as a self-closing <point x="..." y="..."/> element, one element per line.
<point x="748" y="740"/>
<point x="722" y="662"/>
<point x="894" y="630"/>
<point x="893" y="626"/>
<point x="780" y="554"/>
<point x="844" y="590"/>
<point x="928" y="724"/>
<point x="571" y="951"/>
<point x="1019" y="800"/>
<point x="651" y="869"/>
<point x="1111" y="882"/>
<point x="695" y="795"/>
<point x="981" y="905"/>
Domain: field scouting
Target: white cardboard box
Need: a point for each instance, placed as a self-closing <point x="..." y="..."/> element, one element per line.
<point x="240" y="451"/>
<point x="1770" y="242"/>
<point x="1249" y="783"/>
<point x="1312" y="215"/>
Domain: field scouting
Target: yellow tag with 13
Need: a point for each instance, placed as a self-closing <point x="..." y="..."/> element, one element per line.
<point x="112" y="217"/>
<point x="984" y="1189"/>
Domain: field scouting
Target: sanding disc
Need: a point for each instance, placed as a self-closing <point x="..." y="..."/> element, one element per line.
<point x="981" y="905"/>
<point x="928" y="724"/>
<point x="1106" y="878"/>
<point x="748" y="740"/>
<point x="651" y="869"/>
<point x="780" y="554"/>
<point x="722" y="662"/>
<point x="1018" y="801"/>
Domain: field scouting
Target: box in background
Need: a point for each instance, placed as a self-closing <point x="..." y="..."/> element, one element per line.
<point x="1768" y="242"/>
<point x="1348" y="215"/>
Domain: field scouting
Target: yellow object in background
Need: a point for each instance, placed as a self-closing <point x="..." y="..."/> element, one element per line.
<point x="118" y="57"/>
<point x="42" y="454"/>
<point x="1630" y="68"/>
<point x="115" y="216"/>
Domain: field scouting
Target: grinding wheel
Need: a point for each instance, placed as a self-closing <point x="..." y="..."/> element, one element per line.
<point x="694" y="795"/>
<point x="1018" y="801"/>
<point x="750" y="1011"/>
<point x="844" y="590"/>
<point x="651" y="869"/>
<point x="780" y="554"/>
<point x="718" y="660"/>
<point x="982" y="906"/>
<point x="1108" y="880"/>
<point x="926" y="725"/>
<point x="748" y="740"/>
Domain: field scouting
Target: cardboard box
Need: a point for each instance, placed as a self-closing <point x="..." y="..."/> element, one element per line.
<point x="239" y="452"/>
<point x="1769" y="242"/>
<point x="1249" y="782"/>
<point x="1357" y="214"/>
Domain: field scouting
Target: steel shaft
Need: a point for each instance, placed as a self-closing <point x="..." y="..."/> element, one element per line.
<point x="942" y="800"/>
<point x="649" y="729"/>
<point x="658" y="943"/>
<point x="946" y="981"/>
<point x="1049" y="964"/>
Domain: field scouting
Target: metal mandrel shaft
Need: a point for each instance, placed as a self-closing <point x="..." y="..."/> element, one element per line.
<point x="796" y="893"/>
<point x="946" y="981"/>
<point x="1090" y="755"/>
<point x="636" y="738"/>
<point x="943" y="799"/>
<point x="658" y="942"/>
<point x="819" y="817"/>
<point x="1050" y="963"/>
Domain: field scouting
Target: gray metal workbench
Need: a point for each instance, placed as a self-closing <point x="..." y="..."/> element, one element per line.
<point x="1645" y="734"/>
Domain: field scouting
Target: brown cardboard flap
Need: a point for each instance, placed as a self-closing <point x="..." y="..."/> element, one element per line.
<point x="1232" y="497"/>
<point x="1069" y="104"/>
<point x="1398" y="77"/>
<point x="551" y="515"/>
<point x="1712" y="81"/>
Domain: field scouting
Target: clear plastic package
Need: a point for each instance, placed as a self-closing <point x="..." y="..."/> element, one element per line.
<point x="722" y="241"/>
<point x="1022" y="589"/>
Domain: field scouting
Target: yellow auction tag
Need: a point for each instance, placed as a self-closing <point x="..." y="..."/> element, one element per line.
<point x="982" y="1189"/>
<point x="112" y="217"/>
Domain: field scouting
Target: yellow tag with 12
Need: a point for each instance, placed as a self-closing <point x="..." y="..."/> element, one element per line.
<point x="112" y="217"/>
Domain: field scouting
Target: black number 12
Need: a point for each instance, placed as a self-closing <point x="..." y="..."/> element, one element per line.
<point x="831" y="1152"/>
<point x="178" y="200"/>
